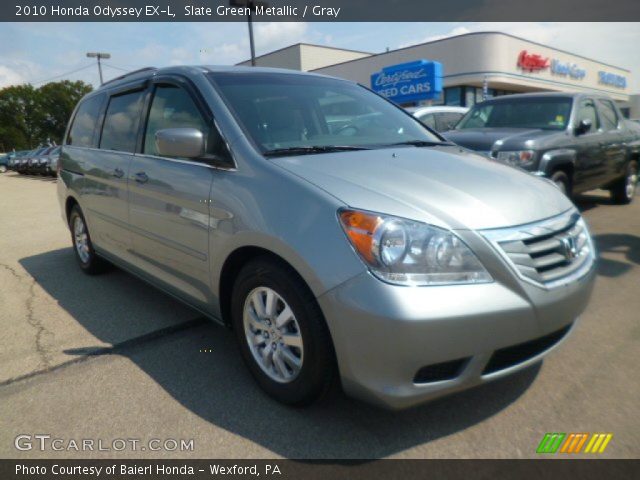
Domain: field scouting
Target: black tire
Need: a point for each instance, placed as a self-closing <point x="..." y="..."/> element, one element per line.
<point x="92" y="264"/>
<point x="562" y="181"/>
<point x="318" y="369"/>
<point x="623" y="191"/>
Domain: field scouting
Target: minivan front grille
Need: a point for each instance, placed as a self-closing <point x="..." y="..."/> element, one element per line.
<point x="549" y="252"/>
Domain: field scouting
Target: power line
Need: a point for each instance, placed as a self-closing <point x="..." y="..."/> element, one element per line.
<point x="62" y="74"/>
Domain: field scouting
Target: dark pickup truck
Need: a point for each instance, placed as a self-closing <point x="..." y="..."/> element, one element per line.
<point x="579" y="141"/>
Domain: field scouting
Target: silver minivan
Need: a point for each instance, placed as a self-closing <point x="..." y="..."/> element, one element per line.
<point x="360" y="247"/>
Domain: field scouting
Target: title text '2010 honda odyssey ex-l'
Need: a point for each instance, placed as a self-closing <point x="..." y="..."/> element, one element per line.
<point x="361" y="248"/>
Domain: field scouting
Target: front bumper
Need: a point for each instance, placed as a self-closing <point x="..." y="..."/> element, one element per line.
<point x="385" y="334"/>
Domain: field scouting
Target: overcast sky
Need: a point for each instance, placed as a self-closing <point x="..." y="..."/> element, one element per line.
<point x="40" y="52"/>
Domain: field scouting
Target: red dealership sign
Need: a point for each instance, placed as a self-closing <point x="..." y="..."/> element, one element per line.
<point x="532" y="62"/>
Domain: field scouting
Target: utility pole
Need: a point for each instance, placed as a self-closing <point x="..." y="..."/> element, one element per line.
<point x="250" y="5"/>
<point x="99" y="56"/>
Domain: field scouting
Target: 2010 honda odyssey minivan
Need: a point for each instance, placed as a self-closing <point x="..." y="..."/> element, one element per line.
<point x="355" y="246"/>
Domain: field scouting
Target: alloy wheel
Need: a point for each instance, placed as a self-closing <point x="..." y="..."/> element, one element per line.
<point x="273" y="334"/>
<point x="81" y="239"/>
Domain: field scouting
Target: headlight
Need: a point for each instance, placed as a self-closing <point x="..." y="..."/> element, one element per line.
<point x="516" y="158"/>
<point x="404" y="252"/>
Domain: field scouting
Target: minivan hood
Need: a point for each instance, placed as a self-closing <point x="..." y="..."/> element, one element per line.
<point x="482" y="139"/>
<point x="444" y="186"/>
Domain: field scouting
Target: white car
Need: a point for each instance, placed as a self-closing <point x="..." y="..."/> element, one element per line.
<point x="441" y="118"/>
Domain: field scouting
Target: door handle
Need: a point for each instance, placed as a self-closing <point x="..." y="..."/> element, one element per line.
<point x="118" y="173"/>
<point x="141" y="177"/>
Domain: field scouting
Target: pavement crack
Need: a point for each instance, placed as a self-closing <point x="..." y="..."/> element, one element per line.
<point x="43" y="337"/>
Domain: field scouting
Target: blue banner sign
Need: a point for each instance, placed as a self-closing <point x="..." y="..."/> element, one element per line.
<point x="612" y="79"/>
<point x="409" y="82"/>
<point x="567" y="68"/>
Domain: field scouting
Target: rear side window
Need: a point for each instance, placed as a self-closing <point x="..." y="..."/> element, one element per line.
<point x="120" y="130"/>
<point x="608" y="115"/>
<point x="447" y="120"/>
<point x="429" y="120"/>
<point x="84" y="123"/>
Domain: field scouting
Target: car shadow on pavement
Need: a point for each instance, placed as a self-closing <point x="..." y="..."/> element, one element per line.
<point x="623" y="246"/>
<point x="201" y="368"/>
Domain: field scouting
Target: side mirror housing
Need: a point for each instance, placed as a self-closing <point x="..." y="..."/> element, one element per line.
<point x="583" y="127"/>
<point x="180" y="142"/>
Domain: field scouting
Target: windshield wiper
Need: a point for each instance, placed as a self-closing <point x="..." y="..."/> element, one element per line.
<point x="311" y="149"/>
<point x="420" y="143"/>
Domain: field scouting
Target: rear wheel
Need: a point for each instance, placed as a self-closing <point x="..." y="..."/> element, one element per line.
<point x="89" y="262"/>
<point x="561" y="179"/>
<point x="281" y="333"/>
<point x="624" y="190"/>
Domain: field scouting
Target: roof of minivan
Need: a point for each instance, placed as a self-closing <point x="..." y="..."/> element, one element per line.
<point x="195" y="69"/>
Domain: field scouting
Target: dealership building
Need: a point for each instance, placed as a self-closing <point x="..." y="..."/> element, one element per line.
<point x="469" y="68"/>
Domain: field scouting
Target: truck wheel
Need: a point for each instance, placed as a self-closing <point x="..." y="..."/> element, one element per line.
<point x="623" y="191"/>
<point x="90" y="263"/>
<point x="562" y="181"/>
<point x="281" y="332"/>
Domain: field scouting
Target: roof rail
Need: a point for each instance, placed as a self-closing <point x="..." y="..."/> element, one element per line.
<point x="121" y="77"/>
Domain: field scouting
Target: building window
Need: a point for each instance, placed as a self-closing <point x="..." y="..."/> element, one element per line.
<point x="453" y="96"/>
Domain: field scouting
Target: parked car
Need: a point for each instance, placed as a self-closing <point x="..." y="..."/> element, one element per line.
<point x="50" y="166"/>
<point x="14" y="158"/>
<point x="39" y="163"/>
<point x="439" y="118"/>
<point x="579" y="141"/>
<point x="36" y="163"/>
<point x="403" y="264"/>
<point x="4" y="163"/>
<point x="23" y="163"/>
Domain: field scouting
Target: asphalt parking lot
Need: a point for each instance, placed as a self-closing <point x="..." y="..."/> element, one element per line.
<point x="109" y="357"/>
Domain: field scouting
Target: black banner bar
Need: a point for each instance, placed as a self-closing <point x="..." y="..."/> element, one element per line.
<point x="583" y="469"/>
<point x="318" y="10"/>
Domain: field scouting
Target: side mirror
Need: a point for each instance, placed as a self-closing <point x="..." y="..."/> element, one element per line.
<point x="180" y="142"/>
<point x="583" y="127"/>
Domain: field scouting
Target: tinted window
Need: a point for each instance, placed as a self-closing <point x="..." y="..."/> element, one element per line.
<point x="447" y="120"/>
<point x="429" y="120"/>
<point x="587" y="111"/>
<point x="608" y="115"/>
<point x="550" y="113"/>
<point x="84" y="124"/>
<point x="289" y="110"/>
<point x="172" y="107"/>
<point x="121" y="122"/>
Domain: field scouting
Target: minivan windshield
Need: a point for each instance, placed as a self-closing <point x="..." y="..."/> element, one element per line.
<point x="546" y="113"/>
<point x="294" y="114"/>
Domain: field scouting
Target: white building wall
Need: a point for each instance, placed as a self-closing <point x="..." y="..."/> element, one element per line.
<point x="467" y="59"/>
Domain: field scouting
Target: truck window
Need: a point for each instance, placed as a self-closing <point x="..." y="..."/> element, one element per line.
<point x="587" y="111"/>
<point x="120" y="130"/>
<point x="81" y="133"/>
<point x="608" y="115"/>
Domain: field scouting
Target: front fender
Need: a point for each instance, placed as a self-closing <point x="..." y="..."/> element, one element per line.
<point x="554" y="158"/>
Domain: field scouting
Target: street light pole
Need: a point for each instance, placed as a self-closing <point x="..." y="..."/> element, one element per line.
<point x="251" y="44"/>
<point x="99" y="56"/>
<point x="250" y="5"/>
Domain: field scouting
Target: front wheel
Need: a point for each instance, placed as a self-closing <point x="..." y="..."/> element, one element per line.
<point x="624" y="190"/>
<point x="281" y="332"/>
<point x="89" y="262"/>
<point x="3" y="168"/>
